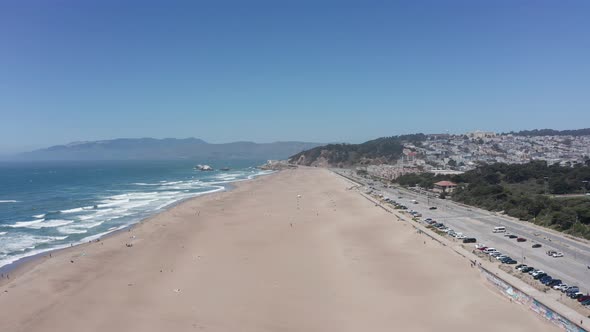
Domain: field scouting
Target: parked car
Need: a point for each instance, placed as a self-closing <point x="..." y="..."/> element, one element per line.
<point x="537" y="245"/>
<point x="432" y="208"/>
<point x="563" y="287"/>
<point x="539" y="275"/>
<point x="583" y="298"/>
<point x="519" y="266"/>
<point x="586" y="302"/>
<point x="572" y="289"/>
<point x="554" y="282"/>
<point x="546" y="280"/>
<point x="535" y="272"/>
<point x="527" y="269"/>
<point x="557" y="254"/>
<point x="576" y="295"/>
<point x="469" y="240"/>
<point x="489" y="250"/>
<point x="510" y="261"/>
<point x="512" y="236"/>
<point x="521" y="239"/>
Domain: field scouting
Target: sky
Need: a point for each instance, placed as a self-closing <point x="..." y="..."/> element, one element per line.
<point x="264" y="71"/>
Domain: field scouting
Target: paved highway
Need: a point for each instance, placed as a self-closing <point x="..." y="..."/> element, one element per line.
<point x="478" y="223"/>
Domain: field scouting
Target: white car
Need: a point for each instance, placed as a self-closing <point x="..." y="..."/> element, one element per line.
<point x="460" y="236"/>
<point x="499" y="257"/>
<point x="479" y="245"/>
<point x="537" y="272"/>
<point x="557" y="254"/>
<point x="490" y="250"/>
<point x="558" y="287"/>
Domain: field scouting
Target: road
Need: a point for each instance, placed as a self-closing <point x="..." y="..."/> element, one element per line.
<point x="473" y="222"/>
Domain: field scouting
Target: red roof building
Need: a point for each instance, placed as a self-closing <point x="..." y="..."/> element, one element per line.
<point x="445" y="186"/>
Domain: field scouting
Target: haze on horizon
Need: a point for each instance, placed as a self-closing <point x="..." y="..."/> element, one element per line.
<point x="264" y="71"/>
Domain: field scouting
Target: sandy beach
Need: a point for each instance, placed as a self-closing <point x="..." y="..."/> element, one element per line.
<point x="293" y="251"/>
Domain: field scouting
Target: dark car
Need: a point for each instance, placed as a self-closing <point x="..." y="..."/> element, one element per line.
<point x="521" y="239"/>
<point x="586" y="302"/>
<point x="554" y="282"/>
<point x="510" y="261"/>
<point x="584" y="298"/>
<point x="512" y="236"/>
<point x="546" y="280"/>
<point x="527" y="269"/>
<point x="432" y="208"/>
<point x="469" y="240"/>
<point x="537" y="245"/>
<point x="539" y="276"/>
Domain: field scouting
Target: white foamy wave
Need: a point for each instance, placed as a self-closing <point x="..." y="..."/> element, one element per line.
<point x="8" y="201"/>
<point x="5" y="259"/>
<point x="112" y="203"/>
<point x="79" y="209"/>
<point x="99" y="235"/>
<point x="22" y="241"/>
<point x="65" y="230"/>
<point x="2" y="233"/>
<point x="25" y="223"/>
<point x="146" y="184"/>
<point x="39" y="216"/>
<point x="50" y="224"/>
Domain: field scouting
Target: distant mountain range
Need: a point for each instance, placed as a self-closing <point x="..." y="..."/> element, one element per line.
<point x="165" y="149"/>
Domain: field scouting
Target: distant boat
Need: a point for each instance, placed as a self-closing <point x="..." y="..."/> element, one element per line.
<point x="204" y="168"/>
<point x="225" y="169"/>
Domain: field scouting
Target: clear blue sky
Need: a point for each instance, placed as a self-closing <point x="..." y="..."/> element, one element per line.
<point x="288" y="70"/>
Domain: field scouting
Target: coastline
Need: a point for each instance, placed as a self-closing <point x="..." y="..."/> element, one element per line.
<point x="296" y="250"/>
<point x="24" y="264"/>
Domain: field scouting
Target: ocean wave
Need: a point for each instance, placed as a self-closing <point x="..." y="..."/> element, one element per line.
<point x="9" y="201"/>
<point x="20" y="242"/>
<point x="2" y="233"/>
<point x="78" y="209"/>
<point x="25" y="223"/>
<point x="49" y="224"/>
<point x="64" y="230"/>
<point x="146" y="184"/>
<point x="40" y="216"/>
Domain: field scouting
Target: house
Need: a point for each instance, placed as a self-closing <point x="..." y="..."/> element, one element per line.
<point x="445" y="186"/>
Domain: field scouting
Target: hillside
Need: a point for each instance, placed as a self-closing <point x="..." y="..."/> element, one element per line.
<point x="378" y="151"/>
<point x="552" y="132"/>
<point x="165" y="149"/>
<point x="551" y="196"/>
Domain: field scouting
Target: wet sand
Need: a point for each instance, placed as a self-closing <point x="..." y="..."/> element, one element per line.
<point x="293" y="251"/>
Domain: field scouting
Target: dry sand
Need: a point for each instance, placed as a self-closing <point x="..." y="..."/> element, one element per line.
<point x="259" y="258"/>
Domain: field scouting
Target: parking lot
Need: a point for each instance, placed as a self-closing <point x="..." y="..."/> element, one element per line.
<point x="572" y="268"/>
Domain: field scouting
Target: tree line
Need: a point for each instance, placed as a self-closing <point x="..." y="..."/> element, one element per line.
<point x="535" y="192"/>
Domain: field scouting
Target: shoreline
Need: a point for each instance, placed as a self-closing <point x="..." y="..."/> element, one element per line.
<point x="298" y="250"/>
<point x="24" y="264"/>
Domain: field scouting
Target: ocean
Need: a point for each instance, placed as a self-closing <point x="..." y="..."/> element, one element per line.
<point x="52" y="205"/>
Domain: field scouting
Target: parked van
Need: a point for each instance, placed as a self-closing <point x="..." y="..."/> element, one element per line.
<point x="500" y="229"/>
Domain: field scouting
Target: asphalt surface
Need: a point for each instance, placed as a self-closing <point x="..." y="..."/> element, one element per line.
<point x="572" y="269"/>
